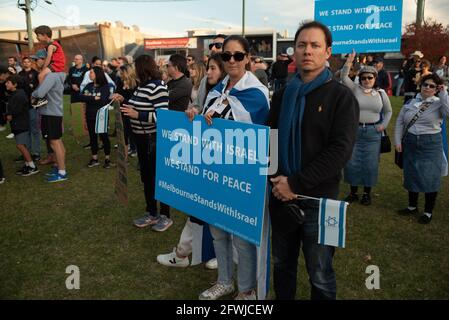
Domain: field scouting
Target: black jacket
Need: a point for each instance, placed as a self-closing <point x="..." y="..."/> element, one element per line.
<point x="329" y="129"/>
<point x="75" y="76"/>
<point x="383" y="80"/>
<point x="30" y="81"/>
<point x="280" y="69"/>
<point x="179" y="92"/>
<point x="88" y="96"/>
<point x="18" y="106"/>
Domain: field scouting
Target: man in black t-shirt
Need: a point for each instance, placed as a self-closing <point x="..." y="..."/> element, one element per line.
<point x="76" y="76"/>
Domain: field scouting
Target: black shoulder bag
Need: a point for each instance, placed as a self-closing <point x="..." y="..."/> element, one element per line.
<point x="385" y="143"/>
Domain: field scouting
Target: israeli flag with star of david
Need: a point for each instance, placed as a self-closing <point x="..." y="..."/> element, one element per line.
<point x="101" y="121"/>
<point x="332" y="223"/>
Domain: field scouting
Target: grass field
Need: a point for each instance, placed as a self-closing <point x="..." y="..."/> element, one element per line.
<point x="46" y="227"/>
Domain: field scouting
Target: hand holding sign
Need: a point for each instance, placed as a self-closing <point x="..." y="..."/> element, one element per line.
<point x="191" y="112"/>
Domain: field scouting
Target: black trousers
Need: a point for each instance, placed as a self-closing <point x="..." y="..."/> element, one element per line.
<point x="1" y="170"/>
<point x="2" y="113"/>
<point x="430" y="200"/>
<point x="146" y="152"/>
<point x="93" y="137"/>
<point x="127" y="132"/>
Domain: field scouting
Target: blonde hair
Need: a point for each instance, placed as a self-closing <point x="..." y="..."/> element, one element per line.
<point x="200" y="73"/>
<point x="128" y="76"/>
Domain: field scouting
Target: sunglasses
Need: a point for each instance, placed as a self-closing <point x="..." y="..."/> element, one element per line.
<point x="366" y="78"/>
<point x="238" y="56"/>
<point x="217" y="45"/>
<point x="429" y="85"/>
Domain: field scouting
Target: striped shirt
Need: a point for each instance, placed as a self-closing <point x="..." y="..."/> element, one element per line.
<point x="146" y="100"/>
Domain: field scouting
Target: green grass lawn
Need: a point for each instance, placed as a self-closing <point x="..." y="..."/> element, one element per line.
<point x="46" y="227"/>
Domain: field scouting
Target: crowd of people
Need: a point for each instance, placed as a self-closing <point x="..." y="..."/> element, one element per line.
<point x="327" y="125"/>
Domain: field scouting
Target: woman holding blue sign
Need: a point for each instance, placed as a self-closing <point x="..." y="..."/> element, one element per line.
<point x="96" y="95"/>
<point x="375" y="114"/>
<point x="240" y="97"/>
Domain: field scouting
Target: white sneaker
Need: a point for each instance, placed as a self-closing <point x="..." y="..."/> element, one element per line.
<point x="245" y="296"/>
<point x="217" y="291"/>
<point x="2" y="128"/>
<point x="10" y="136"/>
<point x="212" y="264"/>
<point x="172" y="260"/>
<point x="2" y="180"/>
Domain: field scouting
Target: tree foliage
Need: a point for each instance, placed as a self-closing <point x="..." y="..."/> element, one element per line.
<point x="432" y="39"/>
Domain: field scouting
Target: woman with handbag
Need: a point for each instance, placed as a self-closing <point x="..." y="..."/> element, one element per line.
<point x="375" y="114"/>
<point x="418" y="137"/>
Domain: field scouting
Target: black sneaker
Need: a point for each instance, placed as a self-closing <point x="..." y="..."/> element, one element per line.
<point x="352" y="197"/>
<point x="424" y="219"/>
<point x="36" y="157"/>
<point x="87" y="146"/>
<point x="93" y="163"/>
<point x="21" y="170"/>
<point x="366" y="199"/>
<point x="28" y="171"/>
<point x="19" y="159"/>
<point x="107" y="164"/>
<point x="407" y="212"/>
<point x="39" y="103"/>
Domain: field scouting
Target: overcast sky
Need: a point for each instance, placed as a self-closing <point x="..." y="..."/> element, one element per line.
<point x="173" y="18"/>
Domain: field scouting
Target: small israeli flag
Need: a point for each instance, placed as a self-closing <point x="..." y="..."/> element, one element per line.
<point x="101" y="122"/>
<point x="332" y="223"/>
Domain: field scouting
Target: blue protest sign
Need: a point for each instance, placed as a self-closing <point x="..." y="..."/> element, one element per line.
<point x="215" y="173"/>
<point x="362" y="25"/>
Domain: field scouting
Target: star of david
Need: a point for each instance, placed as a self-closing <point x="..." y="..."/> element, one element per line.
<point x="331" y="221"/>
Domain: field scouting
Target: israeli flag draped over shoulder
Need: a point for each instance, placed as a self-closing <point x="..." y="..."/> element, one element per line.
<point x="249" y="101"/>
<point x="101" y="121"/>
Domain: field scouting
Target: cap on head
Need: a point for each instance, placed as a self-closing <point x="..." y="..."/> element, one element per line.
<point x="40" y="54"/>
<point x="378" y="59"/>
<point x="368" y="69"/>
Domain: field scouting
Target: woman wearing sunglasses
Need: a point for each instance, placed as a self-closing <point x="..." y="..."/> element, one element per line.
<point x="240" y="97"/>
<point x="418" y="136"/>
<point x="375" y="113"/>
<point x="180" y="255"/>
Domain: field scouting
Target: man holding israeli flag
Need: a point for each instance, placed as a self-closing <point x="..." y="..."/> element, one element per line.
<point x="317" y="120"/>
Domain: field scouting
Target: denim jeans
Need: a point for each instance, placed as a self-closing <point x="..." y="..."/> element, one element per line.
<point x="399" y="86"/>
<point x="318" y="258"/>
<point x="35" y="132"/>
<point x="247" y="259"/>
<point x="363" y="167"/>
